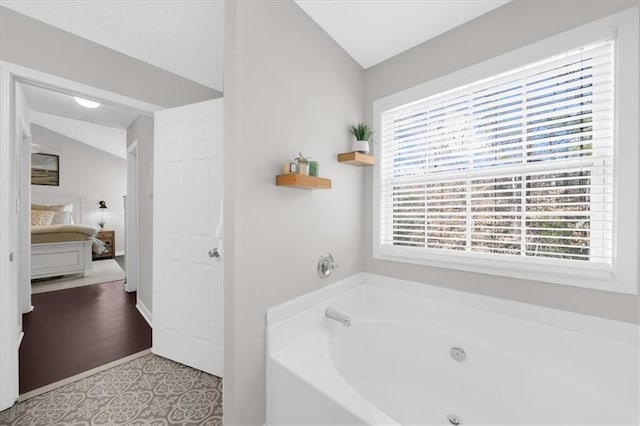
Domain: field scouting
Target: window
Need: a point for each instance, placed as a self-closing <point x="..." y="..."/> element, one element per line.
<point x="519" y="164"/>
<point x="514" y="171"/>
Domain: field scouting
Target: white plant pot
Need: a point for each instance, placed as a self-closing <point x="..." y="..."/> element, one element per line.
<point x="360" y="146"/>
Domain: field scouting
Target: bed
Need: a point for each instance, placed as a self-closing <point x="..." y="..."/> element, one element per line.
<point x="61" y="250"/>
<point x="58" y="245"/>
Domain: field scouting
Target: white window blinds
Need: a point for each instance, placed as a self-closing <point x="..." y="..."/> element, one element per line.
<point x="519" y="164"/>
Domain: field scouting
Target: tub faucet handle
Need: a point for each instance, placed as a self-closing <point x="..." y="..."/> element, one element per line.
<point x="326" y="265"/>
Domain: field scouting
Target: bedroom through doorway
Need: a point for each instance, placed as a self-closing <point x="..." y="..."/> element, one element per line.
<point x="82" y="309"/>
<point x="192" y="134"/>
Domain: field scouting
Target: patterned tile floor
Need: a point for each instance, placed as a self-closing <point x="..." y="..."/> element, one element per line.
<point x="149" y="390"/>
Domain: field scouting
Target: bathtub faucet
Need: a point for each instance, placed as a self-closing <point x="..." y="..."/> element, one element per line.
<point x="337" y="316"/>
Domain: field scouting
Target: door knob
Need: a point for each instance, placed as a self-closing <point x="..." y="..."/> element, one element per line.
<point x="214" y="253"/>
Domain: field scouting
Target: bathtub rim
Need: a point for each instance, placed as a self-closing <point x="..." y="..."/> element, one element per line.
<point x="605" y="328"/>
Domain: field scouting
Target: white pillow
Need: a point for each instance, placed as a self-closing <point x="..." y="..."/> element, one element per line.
<point x="62" y="218"/>
<point x="63" y="213"/>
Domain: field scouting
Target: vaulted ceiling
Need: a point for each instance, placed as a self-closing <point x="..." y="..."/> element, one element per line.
<point x="56" y="103"/>
<point x="372" y="31"/>
<point x="186" y="36"/>
<point x="183" y="37"/>
<point x="104" y="127"/>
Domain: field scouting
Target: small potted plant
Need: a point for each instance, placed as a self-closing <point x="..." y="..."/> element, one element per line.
<point x="362" y="134"/>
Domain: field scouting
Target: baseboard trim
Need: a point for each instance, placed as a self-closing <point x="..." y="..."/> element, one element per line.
<point x="146" y="314"/>
<point x="120" y="253"/>
<point x="81" y="376"/>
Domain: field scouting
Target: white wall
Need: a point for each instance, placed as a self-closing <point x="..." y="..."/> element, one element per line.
<point x="507" y="28"/>
<point x="142" y="130"/>
<point x="288" y="88"/>
<point x="92" y="174"/>
<point x="105" y="138"/>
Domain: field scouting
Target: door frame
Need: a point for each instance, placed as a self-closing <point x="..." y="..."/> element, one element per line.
<point x="10" y="75"/>
<point x="23" y="145"/>
<point x="131" y="220"/>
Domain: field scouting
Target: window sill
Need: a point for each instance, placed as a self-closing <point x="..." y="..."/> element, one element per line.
<point x="596" y="277"/>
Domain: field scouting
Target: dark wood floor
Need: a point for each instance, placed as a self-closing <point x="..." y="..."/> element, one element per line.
<point x="75" y="330"/>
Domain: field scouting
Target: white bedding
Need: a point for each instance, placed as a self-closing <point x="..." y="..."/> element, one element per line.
<point x="89" y="231"/>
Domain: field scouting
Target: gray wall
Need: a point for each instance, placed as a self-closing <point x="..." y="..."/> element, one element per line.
<point x="288" y="88"/>
<point x="34" y="44"/>
<point x="507" y="28"/>
<point x="142" y="130"/>
<point x="89" y="172"/>
<point x="231" y="402"/>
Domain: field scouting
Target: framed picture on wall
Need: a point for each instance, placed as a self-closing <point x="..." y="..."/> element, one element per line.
<point x="45" y="169"/>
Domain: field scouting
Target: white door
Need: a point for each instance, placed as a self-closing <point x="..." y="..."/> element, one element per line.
<point x="187" y="265"/>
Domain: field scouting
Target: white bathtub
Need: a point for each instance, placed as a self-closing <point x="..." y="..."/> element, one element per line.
<point x="525" y="364"/>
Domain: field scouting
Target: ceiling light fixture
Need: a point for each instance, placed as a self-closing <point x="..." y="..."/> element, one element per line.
<point x="86" y="103"/>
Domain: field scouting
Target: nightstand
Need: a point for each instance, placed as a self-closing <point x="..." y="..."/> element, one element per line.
<point x="109" y="238"/>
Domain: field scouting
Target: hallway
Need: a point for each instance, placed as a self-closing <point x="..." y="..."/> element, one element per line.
<point x="75" y="330"/>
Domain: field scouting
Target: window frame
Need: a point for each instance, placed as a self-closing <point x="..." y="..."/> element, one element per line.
<point x="623" y="275"/>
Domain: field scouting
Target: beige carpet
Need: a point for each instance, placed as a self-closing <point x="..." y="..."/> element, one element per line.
<point x="146" y="391"/>
<point x="102" y="271"/>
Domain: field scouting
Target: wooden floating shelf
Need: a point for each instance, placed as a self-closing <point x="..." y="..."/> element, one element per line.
<point x="356" y="159"/>
<point x="295" y="180"/>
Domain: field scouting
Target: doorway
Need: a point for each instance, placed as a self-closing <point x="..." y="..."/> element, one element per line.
<point x="81" y="168"/>
<point x="200" y="123"/>
<point x="15" y="259"/>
